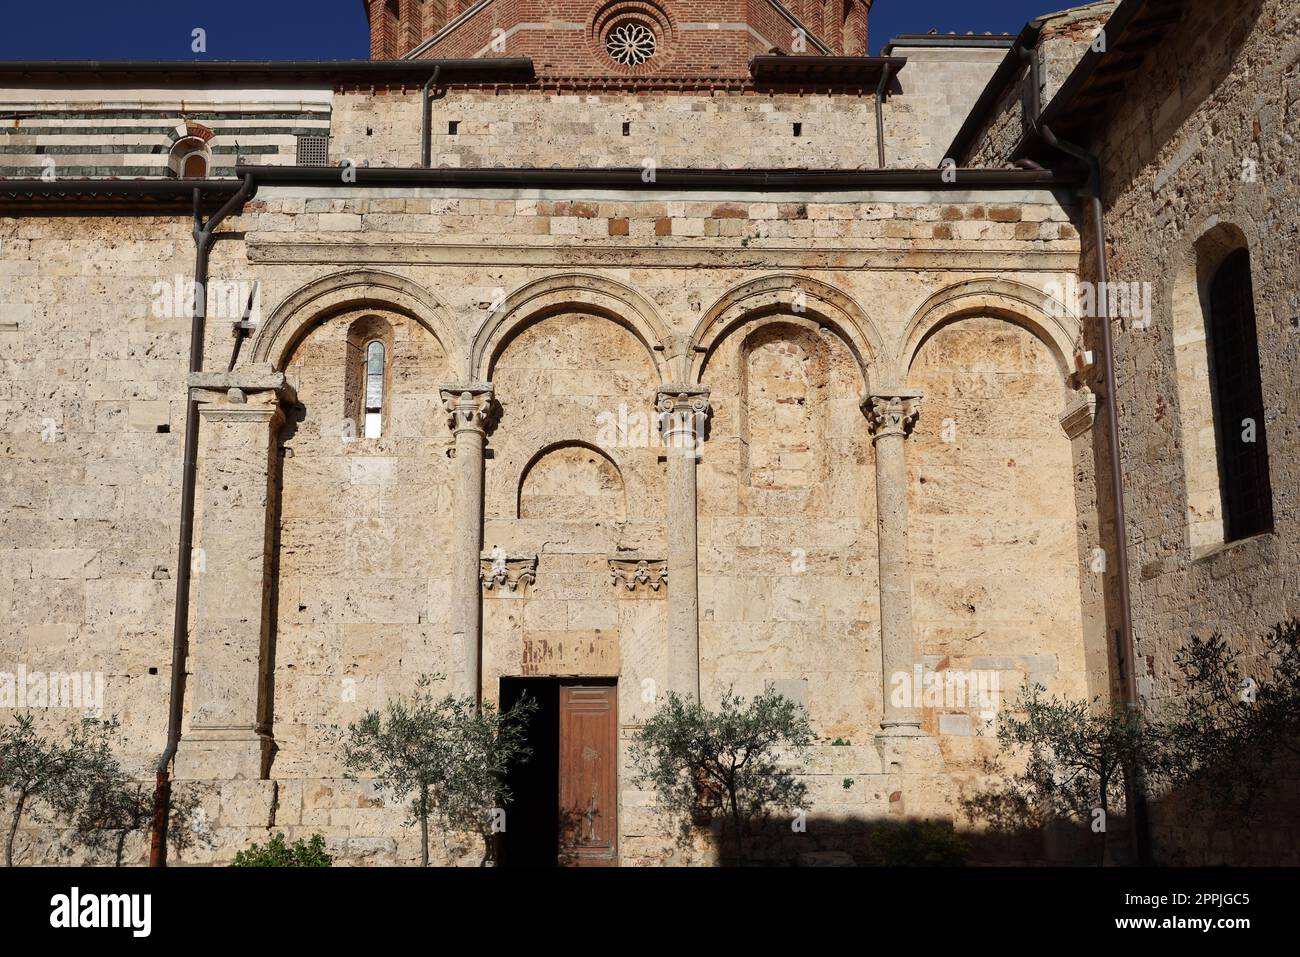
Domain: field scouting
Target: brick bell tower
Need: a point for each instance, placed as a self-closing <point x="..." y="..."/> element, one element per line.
<point x="619" y="37"/>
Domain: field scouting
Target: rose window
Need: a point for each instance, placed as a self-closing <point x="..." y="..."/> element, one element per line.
<point x="630" y="43"/>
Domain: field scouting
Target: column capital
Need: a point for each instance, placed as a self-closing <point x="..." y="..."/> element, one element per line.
<point x="682" y="411"/>
<point x="892" y="413"/>
<point x="677" y="397"/>
<point x="468" y="405"/>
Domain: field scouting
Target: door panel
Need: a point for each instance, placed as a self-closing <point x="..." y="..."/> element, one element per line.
<point x="588" y="776"/>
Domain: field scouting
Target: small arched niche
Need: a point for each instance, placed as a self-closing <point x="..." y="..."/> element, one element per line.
<point x="783" y="374"/>
<point x="368" y="376"/>
<point x="189" y="158"/>
<point x="572" y="481"/>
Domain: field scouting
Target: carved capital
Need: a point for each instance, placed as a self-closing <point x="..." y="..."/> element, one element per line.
<point x="892" y="413"/>
<point x="631" y="571"/>
<point x="500" y="571"/>
<point x="469" y="406"/>
<point x="682" y="412"/>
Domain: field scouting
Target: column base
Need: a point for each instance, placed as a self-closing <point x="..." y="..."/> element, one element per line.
<point x="223" y="756"/>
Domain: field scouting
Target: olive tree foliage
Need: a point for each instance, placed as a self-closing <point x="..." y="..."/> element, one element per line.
<point x="1228" y="722"/>
<point x="446" y="756"/>
<point x="1215" y="741"/>
<point x="53" y="778"/>
<point x="115" y="806"/>
<point x="1076" y="755"/>
<point x="737" y="764"/>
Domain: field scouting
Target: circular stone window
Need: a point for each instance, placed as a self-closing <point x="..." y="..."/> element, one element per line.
<point x="630" y="43"/>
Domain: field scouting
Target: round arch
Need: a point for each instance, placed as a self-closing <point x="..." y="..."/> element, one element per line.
<point x="577" y="292"/>
<point x="1042" y="314"/>
<point x="818" y="303"/>
<point x="558" y="445"/>
<point x="329" y="295"/>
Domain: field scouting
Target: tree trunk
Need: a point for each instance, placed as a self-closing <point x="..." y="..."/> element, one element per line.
<point x="13" y="829"/>
<point x="735" y="823"/>
<point x="1105" y="834"/>
<point x="424" y="827"/>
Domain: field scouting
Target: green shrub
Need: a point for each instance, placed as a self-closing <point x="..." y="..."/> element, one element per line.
<point x="279" y="854"/>
<point x="920" y="844"/>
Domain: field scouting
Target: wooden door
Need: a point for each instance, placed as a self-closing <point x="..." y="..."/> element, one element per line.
<point x="588" y="776"/>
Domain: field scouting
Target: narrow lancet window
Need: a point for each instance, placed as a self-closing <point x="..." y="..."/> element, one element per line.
<point x="374" y="389"/>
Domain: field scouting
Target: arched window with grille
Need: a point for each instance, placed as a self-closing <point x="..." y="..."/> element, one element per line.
<point x="374" y="390"/>
<point x="1238" y="398"/>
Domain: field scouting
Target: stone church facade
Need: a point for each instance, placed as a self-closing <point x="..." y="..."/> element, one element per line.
<point x="642" y="347"/>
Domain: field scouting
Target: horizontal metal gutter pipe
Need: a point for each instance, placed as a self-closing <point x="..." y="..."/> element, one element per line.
<point x="171" y="188"/>
<point x="664" y="179"/>
<point x="413" y="68"/>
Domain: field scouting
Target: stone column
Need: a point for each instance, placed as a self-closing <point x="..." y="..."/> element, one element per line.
<point x="683" y="411"/>
<point x="892" y="416"/>
<point x="469" y="408"/>
<point x="229" y="733"/>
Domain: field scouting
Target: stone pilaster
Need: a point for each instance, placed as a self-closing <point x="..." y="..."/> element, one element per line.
<point x="683" y="411"/>
<point x="469" y="409"/>
<point x="892" y="416"/>
<point x="229" y="732"/>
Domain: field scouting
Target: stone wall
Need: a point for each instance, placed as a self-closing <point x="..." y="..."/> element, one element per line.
<point x="92" y="411"/>
<point x="1206" y="154"/>
<point x="805" y="305"/>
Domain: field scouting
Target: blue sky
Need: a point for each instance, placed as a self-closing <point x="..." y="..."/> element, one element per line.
<point x="327" y="29"/>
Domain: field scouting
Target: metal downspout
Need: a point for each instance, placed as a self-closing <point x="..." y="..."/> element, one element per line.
<point x="204" y="237"/>
<point x="426" y="119"/>
<point x="1126" y="651"/>
<point x="880" y="116"/>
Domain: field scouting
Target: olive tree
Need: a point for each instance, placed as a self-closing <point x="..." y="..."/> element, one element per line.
<point x="1229" y="719"/>
<point x="52" y="777"/>
<point x="737" y="763"/>
<point x="447" y="756"/>
<point x="1076" y="756"/>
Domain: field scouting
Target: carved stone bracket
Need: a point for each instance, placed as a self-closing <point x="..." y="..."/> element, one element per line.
<point x="253" y="385"/>
<point x="892" y="413"/>
<point x="633" y="570"/>
<point x="500" y="571"/>
<point x="1080" y="413"/>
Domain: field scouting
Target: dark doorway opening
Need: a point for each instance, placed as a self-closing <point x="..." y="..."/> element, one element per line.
<point x="532" y="833"/>
<point x="564" y="798"/>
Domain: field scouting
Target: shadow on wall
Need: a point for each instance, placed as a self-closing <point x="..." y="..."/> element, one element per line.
<point x="1189" y="828"/>
<point x="900" y="842"/>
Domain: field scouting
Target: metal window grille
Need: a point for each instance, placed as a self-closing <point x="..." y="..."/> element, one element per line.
<point x="313" y="150"/>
